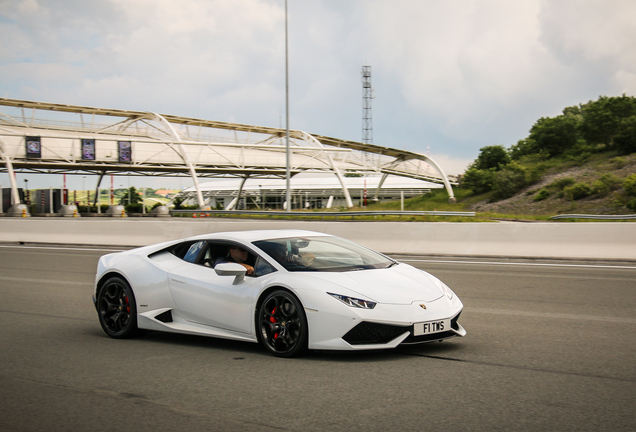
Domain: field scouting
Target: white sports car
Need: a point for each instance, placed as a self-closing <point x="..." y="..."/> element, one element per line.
<point x="287" y="289"/>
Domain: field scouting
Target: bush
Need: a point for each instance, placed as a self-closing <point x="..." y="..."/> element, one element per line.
<point x="560" y="184"/>
<point x="580" y="158"/>
<point x="541" y="195"/>
<point x="605" y="184"/>
<point x="618" y="162"/>
<point x="509" y="181"/>
<point x="600" y="188"/>
<point x="632" y="204"/>
<point x="611" y="181"/>
<point x="577" y="191"/>
<point x="534" y="174"/>
<point x="630" y="185"/>
<point x="479" y="181"/>
<point x="134" y="208"/>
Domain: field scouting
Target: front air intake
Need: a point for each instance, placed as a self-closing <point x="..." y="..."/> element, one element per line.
<point x="367" y="333"/>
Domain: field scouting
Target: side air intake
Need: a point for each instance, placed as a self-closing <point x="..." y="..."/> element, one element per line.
<point x="165" y="317"/>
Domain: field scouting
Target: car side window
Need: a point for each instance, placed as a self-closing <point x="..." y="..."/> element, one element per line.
<point x="262" y="267"/>
<point x="213" y="253"/>
<point x="181" y="249"/>
<point x="193" y="252"/>
<point x="208" y="253"/>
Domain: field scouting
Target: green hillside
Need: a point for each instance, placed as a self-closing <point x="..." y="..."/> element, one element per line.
<point x="582" y="161"/>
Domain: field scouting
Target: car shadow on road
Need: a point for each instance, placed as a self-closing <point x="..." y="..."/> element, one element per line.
<point x="433" y="350"/>
<point x="240" y="349"/>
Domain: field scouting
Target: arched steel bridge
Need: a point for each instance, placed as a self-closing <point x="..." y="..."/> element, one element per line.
<point x="85" y="139"/>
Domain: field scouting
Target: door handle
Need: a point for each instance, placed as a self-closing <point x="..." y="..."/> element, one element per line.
<point x="178" y="280"/>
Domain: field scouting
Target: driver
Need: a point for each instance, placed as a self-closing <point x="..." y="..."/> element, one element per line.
<point x="280" y="253"/>
<point x="237" y="255"/>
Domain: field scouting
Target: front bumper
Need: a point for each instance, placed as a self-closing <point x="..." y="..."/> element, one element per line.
<point x="370" y="333"/>
<point x="384" y="327"/>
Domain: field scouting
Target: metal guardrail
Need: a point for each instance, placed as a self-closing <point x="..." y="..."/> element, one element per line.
<point x="320" y="214"/>
<point x="597" y="217"/>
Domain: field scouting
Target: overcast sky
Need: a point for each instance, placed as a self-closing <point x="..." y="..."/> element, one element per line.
<point x="451" y="76"/>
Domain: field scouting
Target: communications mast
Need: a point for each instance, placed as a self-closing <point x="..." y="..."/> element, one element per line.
<point x="367" y="95"/>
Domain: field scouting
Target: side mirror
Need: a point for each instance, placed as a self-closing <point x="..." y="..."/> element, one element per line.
<point x="231" y="269"/>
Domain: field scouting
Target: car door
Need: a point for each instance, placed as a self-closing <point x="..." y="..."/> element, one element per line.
<point x="204" y="297"/>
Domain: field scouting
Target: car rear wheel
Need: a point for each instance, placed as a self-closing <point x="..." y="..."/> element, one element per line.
<point x="282" y="325"/>
<point x="117" y="309"/>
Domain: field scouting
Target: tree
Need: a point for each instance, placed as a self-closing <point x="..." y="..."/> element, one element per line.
<point x="131" y="197"/>
<point x="177" y="202"/>
<point x="492" y="157"/>
<point x="523" y="147"/>
<point x="602" y="119"/>
<point x="625" y="139"/>
<point x="554" y="135"/>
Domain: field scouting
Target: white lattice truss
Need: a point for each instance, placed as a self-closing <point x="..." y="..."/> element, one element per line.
<point x="168" y="145"/>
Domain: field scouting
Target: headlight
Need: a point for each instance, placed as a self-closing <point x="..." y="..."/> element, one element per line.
<point x="449" y="293"/>
<point x="354" y="302"/>
<point x="445" y="289"/>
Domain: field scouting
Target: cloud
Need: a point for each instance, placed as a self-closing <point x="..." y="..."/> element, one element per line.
<point x="161" y="55"/>
<point x="596" y="37"/>
<point x="453" y="75"/>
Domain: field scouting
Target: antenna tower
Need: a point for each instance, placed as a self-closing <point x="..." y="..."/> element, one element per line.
<point x="367" y="95"/>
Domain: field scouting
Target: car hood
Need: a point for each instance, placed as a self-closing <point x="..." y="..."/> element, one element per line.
<point x="400" y="284"/>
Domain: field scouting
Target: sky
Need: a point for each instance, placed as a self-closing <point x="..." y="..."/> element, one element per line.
<point x="449" y="76"/>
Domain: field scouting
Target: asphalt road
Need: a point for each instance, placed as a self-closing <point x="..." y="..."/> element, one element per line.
<point x="550" y="346"/>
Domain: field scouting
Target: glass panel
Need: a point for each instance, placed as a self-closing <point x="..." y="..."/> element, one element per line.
<point x="193" y="252"/>
<point x="322" y="254"/>
<point x="262" y="267"/>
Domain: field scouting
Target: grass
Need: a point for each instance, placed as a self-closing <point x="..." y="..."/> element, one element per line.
<point x="437" y="200"/>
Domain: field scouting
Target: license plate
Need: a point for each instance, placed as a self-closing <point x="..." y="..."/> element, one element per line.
<point x="431" y="327"/>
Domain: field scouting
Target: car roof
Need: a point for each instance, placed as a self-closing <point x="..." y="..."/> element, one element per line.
<point x="256" y="235"/>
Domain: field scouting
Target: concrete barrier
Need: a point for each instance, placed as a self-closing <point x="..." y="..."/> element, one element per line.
<point x="593" y="240"/>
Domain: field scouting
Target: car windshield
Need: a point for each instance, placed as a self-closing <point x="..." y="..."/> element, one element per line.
<point x="329" y="254"/>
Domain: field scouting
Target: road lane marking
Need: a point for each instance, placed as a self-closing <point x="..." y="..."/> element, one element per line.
<point x="46" y="281"/>
<point x="550" y="315"/>
<point x="520" y="264"/>
<point x="61" y="248"/>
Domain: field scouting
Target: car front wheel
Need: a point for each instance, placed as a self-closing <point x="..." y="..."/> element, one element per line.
<point x="282" y="325"/>
<point x="117" y="309"/>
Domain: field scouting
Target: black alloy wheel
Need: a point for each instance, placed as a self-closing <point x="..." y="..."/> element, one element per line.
<point x="117" y="309"/>
<point x="281" y="324"/>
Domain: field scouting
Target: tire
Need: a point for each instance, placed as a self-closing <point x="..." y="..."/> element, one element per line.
<point x="117" y="309"/>
<point x="281" y="324"/>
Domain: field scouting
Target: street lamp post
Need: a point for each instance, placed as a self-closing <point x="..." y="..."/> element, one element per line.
<point x="287" y="170"/>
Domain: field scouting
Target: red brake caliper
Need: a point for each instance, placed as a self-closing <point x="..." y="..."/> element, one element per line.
<point x="127" y="304"/>
<point x="273" y="321"/>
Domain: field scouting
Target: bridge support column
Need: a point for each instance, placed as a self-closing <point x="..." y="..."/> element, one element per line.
<point x="235" y="202"/>
<point x="99" y="182"/>
<point x="15" y="197"/>
<point x="377" y="191"/>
